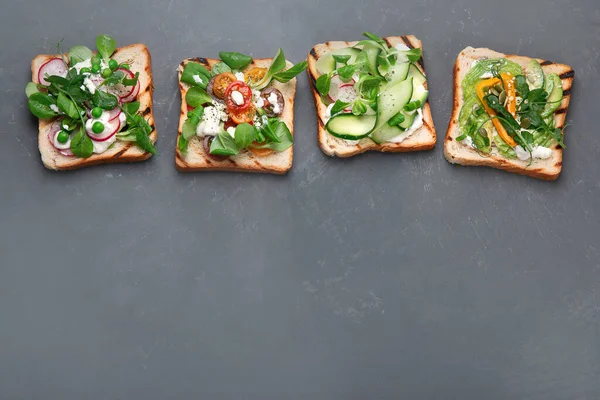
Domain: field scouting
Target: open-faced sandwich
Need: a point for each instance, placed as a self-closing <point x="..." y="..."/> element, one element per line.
<point x="509" y="113"/>
<point x="93" y="107"/>
<point x="371" y="95"/>
<point x="237" y="113"/>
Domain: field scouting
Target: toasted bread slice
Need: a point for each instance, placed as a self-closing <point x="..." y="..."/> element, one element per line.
<point x="422" y="139"/>
<point x="196" y="159"/>
<point x="457" y="153"/>
<point x="138" y="56"/>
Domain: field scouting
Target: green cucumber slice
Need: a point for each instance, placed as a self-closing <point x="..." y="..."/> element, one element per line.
<point x="385" y="133"/>
<point x="409" y="119"/>
<point x="554" y="86"/>
<point x="372" y="52"/>
<point x="326" y="63"/>
<point x="350" y="126"/>
<point x="415" y="73"/>
<point x="392" y="100"/>
<point x="396" y="73"/>
<point x="534" y="74"/>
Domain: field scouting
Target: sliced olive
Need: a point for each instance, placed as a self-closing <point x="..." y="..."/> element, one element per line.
<point x="274" y="102"/>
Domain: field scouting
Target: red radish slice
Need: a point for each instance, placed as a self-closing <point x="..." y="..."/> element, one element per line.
<point x="67" y="152"/>
<point x="133" y="94"/>
<point x="343" y="91"/>
<point x="55" y="66"/>
<point x="114" y="113"/>
<point x="55" y="127"/>
<point x="110" y="129"/>
<point x="122" y="91"/>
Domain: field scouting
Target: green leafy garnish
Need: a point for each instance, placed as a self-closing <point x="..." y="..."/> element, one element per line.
<point x="196" y="96"/>
<point x="244" y="135"/>
<point x="339" y="106"/>
<point x="78" y="54"/>
<point x="67" y="105"/>
<point x="104" y="100"/>
<point x="341" y="58"/>
<point x="81" y="144"/>
<point x="345" y="73"/>
<point x="39" y="105"/>
<point x="223" y="145"/>
<point x="276" y="71"/>
<point x="235" y="60"/>
<point x="220" y="68"/>
<point x="396" y="119"/>
<point x="106" y="46"/>
<point x="323" y="84"/>
<point x="195" y="74"/>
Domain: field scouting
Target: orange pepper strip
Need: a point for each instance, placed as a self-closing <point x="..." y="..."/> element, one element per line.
<point x="481" y="86"/>
<point x="511" y="93"/>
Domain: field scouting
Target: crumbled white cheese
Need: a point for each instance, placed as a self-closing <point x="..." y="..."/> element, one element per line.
<point x="540" y="152"/>
<point x="328" y="112"/>
<point x="54" y="108"/>
<point x="272" y="99"/>
<point x="198" y="80"/>
<point x="402" y="47"/>
<point x="83" y="64"/>
<point x="468" y="142"/>
<point x="240" y="76"/>
<point x="101" y="147"/>
<point x="231" y="131"/>
<point x="487" y="75"/>
<point x="237" y="97"/>
<point x="417" y="123"/>
<point x="210" y="125"/>
<point x="90" y="85"/>
<point x="257" y="99"/>
<point x="257" y="122"/>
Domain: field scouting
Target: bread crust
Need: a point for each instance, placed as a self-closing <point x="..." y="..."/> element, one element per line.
<point x="423" y="138"/>
<point x="196" y="159"/>
<point x="140" y="61"/>
<point x="458" y="153"/>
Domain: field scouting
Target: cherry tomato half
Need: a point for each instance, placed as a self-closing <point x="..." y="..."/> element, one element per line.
<point x="261" y="152"/>
<point x="221" y="82"/>
<point x="238" y="97"/>
<point x="242" y="116"/>
<point x="255" y="74"/>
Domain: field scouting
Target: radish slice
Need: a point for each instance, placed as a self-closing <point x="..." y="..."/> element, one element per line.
<point x="114" y="113"/>
<point x="343" y="91"/>
<point x="120" y="90"/>
<point x="67" y="153"/>
<point x="55" y="66"/>
<point x="133" y="95"/>
<point x="55" y="127"/>
<point x="110" y="129"/>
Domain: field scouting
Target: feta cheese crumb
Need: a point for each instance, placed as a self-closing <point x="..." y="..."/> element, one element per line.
<point x="487" y="75"/>
<point x="237" y="97"/>
<point x="197" y="79"/>
<point x="90" y="85"/>
<point x="240" y="76"/>
<point x="210" y="125"/>
<point x="54" y="108"/>
<point x="257" y="99"/>
<point x="231" y="131"/>
<point x="468" y="141"/>
<point x="272" y="99"/>
<point x="540" y="152"/>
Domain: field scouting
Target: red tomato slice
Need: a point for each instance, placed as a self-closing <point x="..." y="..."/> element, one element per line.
<point x="244" y="90"/>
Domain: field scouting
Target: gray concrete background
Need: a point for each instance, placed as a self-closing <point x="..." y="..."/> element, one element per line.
<point x="378" y="277"/>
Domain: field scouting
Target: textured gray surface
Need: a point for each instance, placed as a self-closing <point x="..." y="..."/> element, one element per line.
<point x="379" y="277"/>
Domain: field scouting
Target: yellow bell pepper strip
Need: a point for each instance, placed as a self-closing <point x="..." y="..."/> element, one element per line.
<point x="480" y="89"/>
<point x="508" y="81"/>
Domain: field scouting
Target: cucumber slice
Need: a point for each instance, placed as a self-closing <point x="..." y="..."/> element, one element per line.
<point x="415" y="73"/>
<point x="534" y="75"/>
<point x="554" y="87"/>
<point x="350" y="126"/>
<point x="372" y="52"/>
<point x="409" y="119"/>
<point x="326" y="63"/>
<point x="396" y="73"/>
<point x="385" y="133"/>
<point x="392" y="100"/>
<point x="419" y="93"/>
